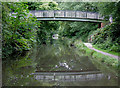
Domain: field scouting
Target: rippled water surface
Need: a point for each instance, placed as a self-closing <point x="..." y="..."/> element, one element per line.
<point x="56" y="65"/>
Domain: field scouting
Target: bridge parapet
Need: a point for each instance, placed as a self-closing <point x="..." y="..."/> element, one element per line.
<point x="66" y="14"/>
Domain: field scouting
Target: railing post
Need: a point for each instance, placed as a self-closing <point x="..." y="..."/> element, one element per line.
<point x="34" y="12"/>
<point x="86" y="14"/>
<point x="43" y="13"/>
<point x="54" y="13"/>
<point x="75" y="14"/>
<point x="96" y="15"/>
<point x="64" y="13"/>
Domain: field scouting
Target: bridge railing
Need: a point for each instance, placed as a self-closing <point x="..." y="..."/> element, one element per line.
<point x="62" y="13"/>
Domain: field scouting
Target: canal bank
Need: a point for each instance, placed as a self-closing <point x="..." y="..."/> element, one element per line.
<point x="111" y="62"/>
<point x="89" y="45"/>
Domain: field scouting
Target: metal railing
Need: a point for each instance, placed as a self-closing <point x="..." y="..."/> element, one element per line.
<point x="65" y="14"/>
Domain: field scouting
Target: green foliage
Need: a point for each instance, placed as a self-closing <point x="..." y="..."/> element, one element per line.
<point x="44" y="33"/>
<point x="81" y="6"/>
<point x="82" y="30"/>
<point x="107" y="37"/>
<point x="109" y="8"/>
<point x="77" y="29"/>
<point x="46" y="28"/>
<point x="19" y="30"/>
<point x="43" y="5"/>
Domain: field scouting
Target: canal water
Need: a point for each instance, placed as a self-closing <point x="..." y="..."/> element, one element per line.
<point x="56" y="64"/>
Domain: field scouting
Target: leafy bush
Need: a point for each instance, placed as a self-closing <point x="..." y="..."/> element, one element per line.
<point x="19" y="30"/>
<point x="107" y="37"/>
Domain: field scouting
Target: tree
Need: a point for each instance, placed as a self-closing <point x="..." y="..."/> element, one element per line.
<point x="109" y="9"/>
<point x="46" y="28"/>
<point x="19" y="29"/>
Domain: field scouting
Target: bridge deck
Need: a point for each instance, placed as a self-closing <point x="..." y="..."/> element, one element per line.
<point x="68" y="19"/>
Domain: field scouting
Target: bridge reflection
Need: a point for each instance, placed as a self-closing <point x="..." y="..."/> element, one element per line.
<point x="68" y="75"/>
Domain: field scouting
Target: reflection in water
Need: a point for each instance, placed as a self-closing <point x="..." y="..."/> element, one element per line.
<point x="68" y="76"/>
<point x="56" y="64"/>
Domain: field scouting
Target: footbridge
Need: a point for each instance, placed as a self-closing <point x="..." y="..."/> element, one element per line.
<point x="67" y="15"/>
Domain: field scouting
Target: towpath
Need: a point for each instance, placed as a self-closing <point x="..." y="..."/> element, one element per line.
<point x="89" y="45"/>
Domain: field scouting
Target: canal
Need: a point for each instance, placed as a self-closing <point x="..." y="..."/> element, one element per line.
<point x="56" y="64"/>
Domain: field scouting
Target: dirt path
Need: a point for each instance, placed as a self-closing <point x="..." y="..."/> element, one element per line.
<point x="89" y="45"/>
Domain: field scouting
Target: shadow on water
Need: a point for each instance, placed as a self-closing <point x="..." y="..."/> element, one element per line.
<point x="55" y="65"/>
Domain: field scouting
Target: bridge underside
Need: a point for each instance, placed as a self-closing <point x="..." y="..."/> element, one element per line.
<point x="69" y="19"/>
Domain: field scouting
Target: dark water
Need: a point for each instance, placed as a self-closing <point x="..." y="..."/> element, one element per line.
<point x="56" y="65"/>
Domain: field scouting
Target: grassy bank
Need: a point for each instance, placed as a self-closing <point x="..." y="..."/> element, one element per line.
<point x="112" y="63"/>
<point x="107" y="51"/>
